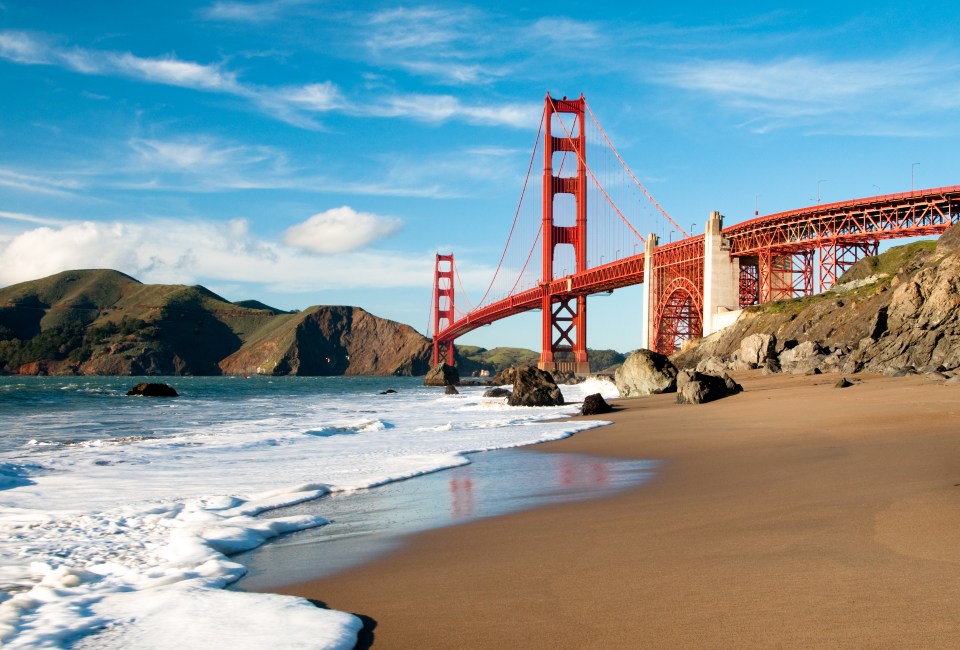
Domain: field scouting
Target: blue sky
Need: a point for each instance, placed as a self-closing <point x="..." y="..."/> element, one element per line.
<point x="306" y="153"/>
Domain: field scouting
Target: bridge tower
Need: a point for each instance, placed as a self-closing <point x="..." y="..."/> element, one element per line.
<point x="564" y="315"/>
<point x="443" y="308"/>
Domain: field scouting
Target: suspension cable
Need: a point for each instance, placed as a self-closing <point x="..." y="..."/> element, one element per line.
<point x="625" y="166"/>
<point x="583" y="162"/>
<point x="516" y="215"/>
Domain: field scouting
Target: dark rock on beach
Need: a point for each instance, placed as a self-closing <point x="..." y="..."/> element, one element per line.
<point x="595" y="405"/>
<point x="534" y="387"/>
<point x="153" y="390"/>
<point x="451" y="390"/>
<point x="646" y="372"/>
<point x="696" y="388"/>
<point x="497" y="392"/>
<point x="441" y="374"/>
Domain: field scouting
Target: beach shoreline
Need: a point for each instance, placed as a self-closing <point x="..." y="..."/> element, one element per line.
<point x="795" y="514"/>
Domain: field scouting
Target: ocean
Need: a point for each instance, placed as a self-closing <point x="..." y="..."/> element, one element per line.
<point x="123" y="519"/>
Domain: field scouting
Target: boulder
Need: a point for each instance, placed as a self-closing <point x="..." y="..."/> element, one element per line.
<point x="646" y="373"/>
<point x="497" y="392"/>
<point x="595" y="405"/>
<point x="152" y="390"/>
<point x="451" y="390"/>
<point x="696" y="388"/>
<point x="441" y="375"/>
<point x="756" y="349"/>
<point x="843" y="383"/>
<point x="712" y="366"/>
<point x="802" y="358"/>
<point x="534" y="387"/>
<point x="389" y="391"/>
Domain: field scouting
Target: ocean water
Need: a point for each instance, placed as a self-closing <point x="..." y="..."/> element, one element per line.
<point x="122" y="519"/>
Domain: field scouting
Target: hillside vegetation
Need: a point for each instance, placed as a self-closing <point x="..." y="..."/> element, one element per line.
<point x="105" y="322"/>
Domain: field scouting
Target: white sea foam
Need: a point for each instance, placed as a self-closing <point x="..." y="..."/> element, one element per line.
<point x="129" y="536"/>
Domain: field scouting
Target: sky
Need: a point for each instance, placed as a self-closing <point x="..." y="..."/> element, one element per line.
<point x="304" y="152"/>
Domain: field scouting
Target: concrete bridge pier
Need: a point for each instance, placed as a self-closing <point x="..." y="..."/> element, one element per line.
<point x="646" y="339"/>
<point x="721" y="278"/>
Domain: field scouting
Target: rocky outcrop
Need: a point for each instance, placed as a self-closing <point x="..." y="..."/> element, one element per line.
<point x="441" y="375"/>
<point x="331" y="341"/>
<point x="450" y="389"/>
<point x="897" y="312"/>
<point x="595" y="405"/>
<point x="646" y="373"/>
<point x="153" y="390"/>
<point x="534" y="387"/>
<point x="696" y="388"/>
<point x="497" y="392"/>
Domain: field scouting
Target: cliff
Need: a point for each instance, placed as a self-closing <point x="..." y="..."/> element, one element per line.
<point x="106" y="323"/>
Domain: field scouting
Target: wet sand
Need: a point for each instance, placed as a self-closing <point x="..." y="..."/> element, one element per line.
<point x="792" y="515"/>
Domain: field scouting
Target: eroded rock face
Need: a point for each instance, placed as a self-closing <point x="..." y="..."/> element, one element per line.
<point x="802" y="358"/>
<point x="534" y="387"/>
<point x="646" y="373"/>
<point x="441" y="375"/>
<point x="756" y="349"/>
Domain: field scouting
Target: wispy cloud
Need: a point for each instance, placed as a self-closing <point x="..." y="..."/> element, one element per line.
<point x="295" y="104"/>
<point x="250" y="12"/>
<point x="50" y="184"/>
<point x="803" y="91"/>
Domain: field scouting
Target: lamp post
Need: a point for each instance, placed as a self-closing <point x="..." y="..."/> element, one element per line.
<point x="822" y="180"/>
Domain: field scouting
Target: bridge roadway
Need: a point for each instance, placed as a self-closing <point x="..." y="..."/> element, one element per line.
<point x="906" y="214"/>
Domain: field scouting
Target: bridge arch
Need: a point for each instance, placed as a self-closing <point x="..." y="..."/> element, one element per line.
<point x="678" y="316"/>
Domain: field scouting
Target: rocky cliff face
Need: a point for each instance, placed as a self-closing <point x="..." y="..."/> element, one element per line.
<point x="105" y="323"/>
<point x="333" y="341"/>
<point x="897" y="312"/>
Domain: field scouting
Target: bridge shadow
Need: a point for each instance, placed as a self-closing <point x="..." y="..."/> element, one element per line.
<point x="365" y="636"/>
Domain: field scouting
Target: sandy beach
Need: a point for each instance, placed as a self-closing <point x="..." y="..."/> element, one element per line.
<point x="793" y="515"/>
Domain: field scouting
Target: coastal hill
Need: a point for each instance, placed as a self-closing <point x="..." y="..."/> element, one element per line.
<point x="103" y="322"/>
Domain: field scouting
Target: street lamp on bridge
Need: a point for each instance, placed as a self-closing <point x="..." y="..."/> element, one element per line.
<point x="822" y="180"/>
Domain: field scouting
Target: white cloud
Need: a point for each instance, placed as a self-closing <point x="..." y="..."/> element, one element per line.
<point x="54" y="186"/>
<point x="174" y="251"/>
<point x="441" y="108"/>
<point x="339" y="230"/>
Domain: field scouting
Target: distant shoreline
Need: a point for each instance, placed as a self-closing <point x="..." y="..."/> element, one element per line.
<point x="795" y="514"/>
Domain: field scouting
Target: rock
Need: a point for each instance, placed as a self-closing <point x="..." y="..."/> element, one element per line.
<point x="696" y="388"/>
<point x="802" y="358"/>
<point x="153" y="390"/>
<point x="595" y="405"/>
<point x="450" y="389"/>
<point x="756" y="349"/>
<point x="646" y="373"/>
<point x="953" y="381"/>
<point x="389" y="391"/>
<point x="732" y="387"/>
<point x="712" y="366"/>
<point x="505" y="376"/>
<point x="813" y="371"/>
<point x="771" y="367"/>
<point x="936" y="375"/>
<point x="441" y="375"/>
<point x="534" y="387"/>
<point x="843" y="383"/>
<point x="497" y="392"/>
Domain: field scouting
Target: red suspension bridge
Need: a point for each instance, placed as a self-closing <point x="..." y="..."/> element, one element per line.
<point x="693" y="286"/>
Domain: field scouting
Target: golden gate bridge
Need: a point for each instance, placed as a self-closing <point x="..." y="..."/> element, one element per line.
<point x="591" y="230"/>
